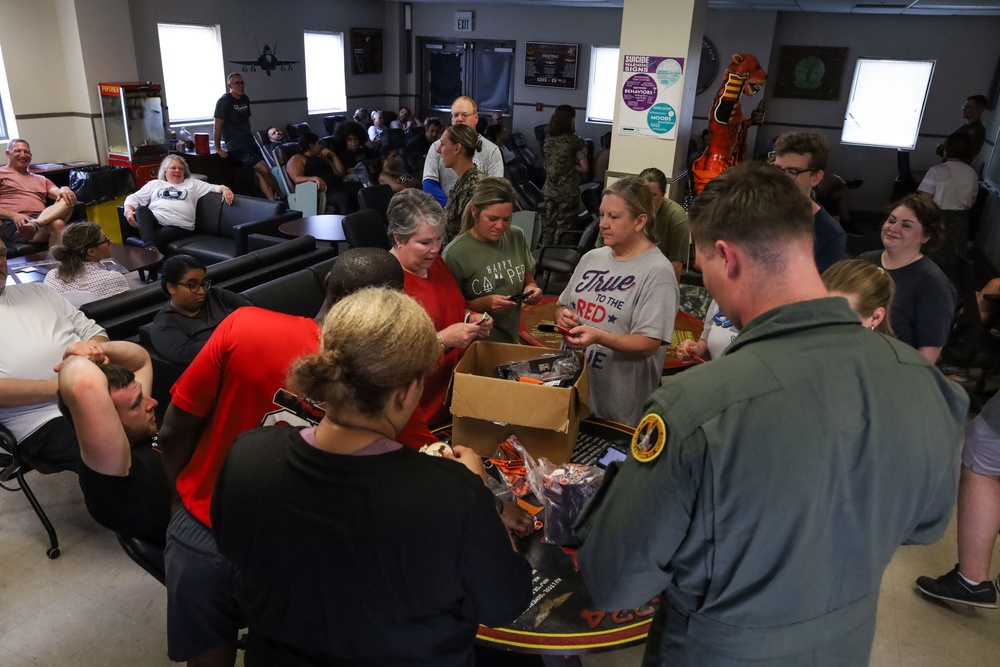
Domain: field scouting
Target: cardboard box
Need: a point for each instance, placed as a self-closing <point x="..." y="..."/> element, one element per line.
<point x="487" y="410"/>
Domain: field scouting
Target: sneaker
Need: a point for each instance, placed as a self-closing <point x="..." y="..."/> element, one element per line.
<point x="952" y="587"/>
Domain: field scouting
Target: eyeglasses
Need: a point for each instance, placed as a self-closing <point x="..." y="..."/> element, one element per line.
<point x="100" y="243"/>
<point x="463" y="114"/>
<point x="788" y="171"/>
<point x="238" y="83"/>
<point x="198" y="287"/>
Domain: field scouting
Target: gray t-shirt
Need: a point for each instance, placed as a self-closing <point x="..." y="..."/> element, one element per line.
<point x="633" y="296"/>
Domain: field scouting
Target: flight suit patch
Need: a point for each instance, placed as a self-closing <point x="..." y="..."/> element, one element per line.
<point x="649" y="439"/>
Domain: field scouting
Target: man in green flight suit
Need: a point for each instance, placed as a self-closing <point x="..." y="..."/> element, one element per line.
<point x="767" y="490"/>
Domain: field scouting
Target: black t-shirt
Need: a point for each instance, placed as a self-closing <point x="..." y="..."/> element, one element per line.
<point x="388" y="559"/>
<point x="925" y="301"/>
<point x="135" y="506"/>
<point x="235" y="115"/>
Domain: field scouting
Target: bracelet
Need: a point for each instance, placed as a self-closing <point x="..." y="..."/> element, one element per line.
<point x="444" y="348"/>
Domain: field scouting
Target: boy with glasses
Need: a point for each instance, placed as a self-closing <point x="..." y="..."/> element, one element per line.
<point x="802" y="156"/>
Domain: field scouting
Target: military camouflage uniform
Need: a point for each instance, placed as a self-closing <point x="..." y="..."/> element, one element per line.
<point x="561" y="193"/>
<point x="460" y="195"/>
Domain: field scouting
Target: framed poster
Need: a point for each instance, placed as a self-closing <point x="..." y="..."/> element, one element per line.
<point x="650" y="96"/>
<point x="550" y="65"/>
<point x="810" y="72"/>
<point x="366" y="50"/>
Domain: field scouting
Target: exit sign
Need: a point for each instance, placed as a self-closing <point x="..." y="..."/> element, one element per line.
<point x="463" y="21"/>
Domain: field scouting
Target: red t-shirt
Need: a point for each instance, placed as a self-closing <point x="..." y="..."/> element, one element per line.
<point x="23" y="193"/>
<point x="438" y="293"/>
<point x="240" y="379"/>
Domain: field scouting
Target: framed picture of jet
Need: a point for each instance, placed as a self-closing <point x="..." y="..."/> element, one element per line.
<point x="266" y="60"/>
<point x="366" y="50"/>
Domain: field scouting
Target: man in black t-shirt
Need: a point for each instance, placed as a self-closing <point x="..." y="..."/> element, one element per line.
<point x="121" y="475"/>
<point x="232" y="122"/>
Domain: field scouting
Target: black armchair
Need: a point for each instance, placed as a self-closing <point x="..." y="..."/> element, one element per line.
<point x="13" y="468"/>
<point x="19" y="248"/>
<point x="562" y="259"/>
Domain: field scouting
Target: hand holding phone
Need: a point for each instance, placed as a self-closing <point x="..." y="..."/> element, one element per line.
<point x="548" y="327"/>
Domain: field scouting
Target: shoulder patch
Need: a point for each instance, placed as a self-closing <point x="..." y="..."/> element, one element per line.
<point x="649" y="438"/>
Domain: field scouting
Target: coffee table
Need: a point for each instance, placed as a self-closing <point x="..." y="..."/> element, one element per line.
<point x="320" y="227"/>
<point x="124" y="258"/>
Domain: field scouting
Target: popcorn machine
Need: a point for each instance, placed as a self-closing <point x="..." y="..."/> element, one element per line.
<point x="135" y="127"/>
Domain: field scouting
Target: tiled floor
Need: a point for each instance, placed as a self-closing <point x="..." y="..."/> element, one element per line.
<point x="93" y="607"/>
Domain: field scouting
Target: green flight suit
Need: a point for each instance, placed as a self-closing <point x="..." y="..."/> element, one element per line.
<point x="794" y="467"/>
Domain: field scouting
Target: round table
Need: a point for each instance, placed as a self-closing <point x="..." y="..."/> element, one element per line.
<point x="320" y="227"/>
<point x="562" y="619"/>
<point x="685" y="326"/>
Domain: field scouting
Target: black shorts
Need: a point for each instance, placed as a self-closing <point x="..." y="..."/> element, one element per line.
<point x="248" y="156"/>
<point x="53" y="447"/>
<point x="202" y="611"/>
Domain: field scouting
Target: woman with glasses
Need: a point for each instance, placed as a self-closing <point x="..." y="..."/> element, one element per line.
<point x="83" y="247"/>
<point x="163" y="210"/>
<point x="184" y="324"/>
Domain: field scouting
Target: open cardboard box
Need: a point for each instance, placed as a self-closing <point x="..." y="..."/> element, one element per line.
<point x="487" y="410"/>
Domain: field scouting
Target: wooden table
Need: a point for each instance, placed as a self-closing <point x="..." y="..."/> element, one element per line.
<point x="124" y="259"/>
<point x="320" y="227"/>
<point x="685" y="326"/>
<point x="562" y="619"/>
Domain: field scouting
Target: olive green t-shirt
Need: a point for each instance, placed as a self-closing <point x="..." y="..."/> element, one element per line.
<point x="482" y="269"/>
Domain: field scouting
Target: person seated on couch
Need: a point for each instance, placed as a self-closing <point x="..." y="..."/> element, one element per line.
<point x="83" y="247"/>
<point x="23" y="199"/>
<point x="163" y="210"/>
<point x="184" y="324"/>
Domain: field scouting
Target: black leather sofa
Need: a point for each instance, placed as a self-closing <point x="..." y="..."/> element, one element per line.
<point x="121" y="315"/>
<point x="222" y="231"/>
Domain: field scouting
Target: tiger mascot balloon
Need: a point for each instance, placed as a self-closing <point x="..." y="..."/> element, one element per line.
<point x="727" y="128"/>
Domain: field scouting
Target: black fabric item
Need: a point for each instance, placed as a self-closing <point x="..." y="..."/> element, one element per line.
<point x="388" y="559"/>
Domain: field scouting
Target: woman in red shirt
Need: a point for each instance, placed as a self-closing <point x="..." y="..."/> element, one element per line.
<point x="416" y="225"/>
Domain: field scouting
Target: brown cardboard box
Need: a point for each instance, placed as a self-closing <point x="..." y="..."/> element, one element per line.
<point x="487" y="410"/>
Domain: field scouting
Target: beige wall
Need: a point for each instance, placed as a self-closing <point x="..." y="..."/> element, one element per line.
<point x="54" y="59"/>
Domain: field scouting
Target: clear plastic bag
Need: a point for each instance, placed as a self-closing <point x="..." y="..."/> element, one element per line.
<point x="565" y="491"/>
<point x="513" y="462"/>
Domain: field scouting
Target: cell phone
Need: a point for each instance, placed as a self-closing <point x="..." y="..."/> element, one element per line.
<point x="518" y="298"/>
<point x="548" y="327"/>
<point x="610" y="456"/>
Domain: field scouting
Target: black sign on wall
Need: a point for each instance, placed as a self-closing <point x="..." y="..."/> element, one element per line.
<point x="550" y="65"/>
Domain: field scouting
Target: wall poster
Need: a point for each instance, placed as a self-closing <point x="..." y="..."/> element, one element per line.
<point x="550" y="65"/>
<point x="366" y="50"/>
<point x="650" y="96"/>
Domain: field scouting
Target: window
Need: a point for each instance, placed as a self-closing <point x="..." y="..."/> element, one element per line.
<point x="887" y="103"/>
<point x="602" y="90"/>
<point x="326" y="88"/>
<point x="194" y="76"/>
<point x="7" y="127"/>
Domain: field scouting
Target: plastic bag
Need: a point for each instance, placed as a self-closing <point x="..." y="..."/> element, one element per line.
<point x="565" y="491"/>
<point x="560" y="369"/>
<point x="99" y="184"/>
<point x="513" y="462"/>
